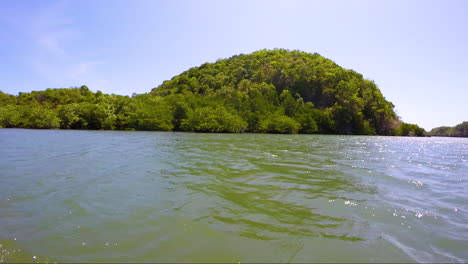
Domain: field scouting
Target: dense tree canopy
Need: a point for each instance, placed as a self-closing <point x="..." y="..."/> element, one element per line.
<point x="460" y="130"/>
<point x="272" y="91"/>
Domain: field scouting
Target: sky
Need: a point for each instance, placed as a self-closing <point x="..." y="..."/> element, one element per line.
<point x="415" y="51"/>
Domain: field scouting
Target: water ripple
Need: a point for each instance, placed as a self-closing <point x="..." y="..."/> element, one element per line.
<point x="100" y="196"/>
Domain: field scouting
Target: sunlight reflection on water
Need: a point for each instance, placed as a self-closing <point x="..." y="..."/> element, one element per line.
<point x="141" y="196"/>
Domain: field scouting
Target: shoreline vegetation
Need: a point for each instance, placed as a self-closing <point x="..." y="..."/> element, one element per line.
<point x="267" y="91"/>
<point x="460" y="130"/>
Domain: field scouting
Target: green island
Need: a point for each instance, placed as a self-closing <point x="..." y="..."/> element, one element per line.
<point x="460" y="130"/>
<point x="267" y="91"/>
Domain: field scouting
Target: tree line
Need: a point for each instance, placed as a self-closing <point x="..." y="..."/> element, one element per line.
<point x="268" y="91"/>
<point x="460" y="130"/>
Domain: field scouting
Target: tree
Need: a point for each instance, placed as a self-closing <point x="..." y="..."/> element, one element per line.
<point x="209" y="119"/>
<point x="277" y="123"/>
<point x="148" y="113"/>
<point x="406" y="129"/>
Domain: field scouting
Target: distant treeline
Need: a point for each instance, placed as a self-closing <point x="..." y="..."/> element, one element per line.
<point x="271" y="91"/>
<point x="460" y="130"/>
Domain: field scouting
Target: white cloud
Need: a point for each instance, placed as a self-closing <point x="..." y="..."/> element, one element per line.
<point x="81" y="69"/>
<point x="52" y="53"/>
<point x="51" y="27"/>
<point x="51" y="44"/>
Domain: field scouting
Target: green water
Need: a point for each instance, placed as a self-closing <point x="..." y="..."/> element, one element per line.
<point x="102" y="196"/>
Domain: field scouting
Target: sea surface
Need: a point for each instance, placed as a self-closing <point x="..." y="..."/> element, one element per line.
<point x="110" y="196"/>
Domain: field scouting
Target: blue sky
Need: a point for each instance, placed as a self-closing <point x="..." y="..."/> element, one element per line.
<point x="416" y="51"/>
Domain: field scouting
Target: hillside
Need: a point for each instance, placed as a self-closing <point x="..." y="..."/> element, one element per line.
<point x="460" y="130"/>
<point x="272" y="91"/>
<point x="315" y="92"/>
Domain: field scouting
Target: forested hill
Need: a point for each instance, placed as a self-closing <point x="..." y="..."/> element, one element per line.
<point x="297" y="89"/>
<point x="273" y="91"/>
<point x="460" y="130"/>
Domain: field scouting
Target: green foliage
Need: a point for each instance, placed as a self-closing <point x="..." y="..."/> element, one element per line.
<point x="273" y="91"/>
<point x="405" y="129"/>
<point x="40" y="117"/>
<point x="308" y="116"/>
<point x="6" y="99"/>
<point x="279" y="124"/>
<point x="267" y="81"/>
<point x="72" y="116"/>
<point x="460" y="130"/>
<point x="10" y="116"/>
<point x="71" y="108"/>
<point x="28" y="117"/>
<point x="148" y="113"/>
<point x="443" y="131"/>
<point x="209" y="119"/>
